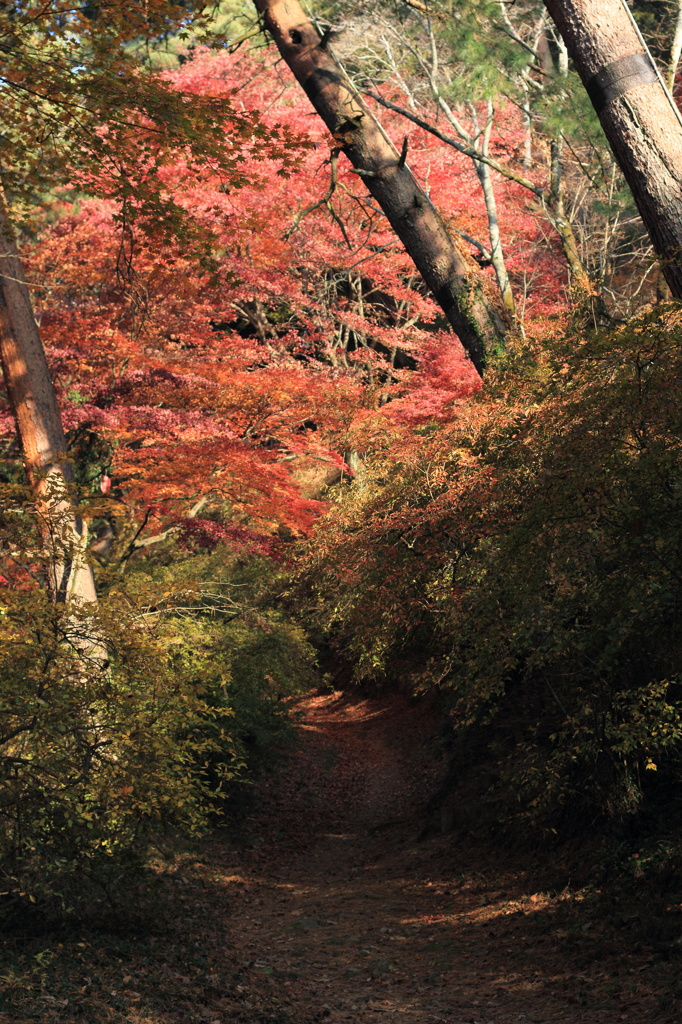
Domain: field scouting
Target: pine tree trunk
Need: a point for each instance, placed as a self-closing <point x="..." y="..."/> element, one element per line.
<point x="39" y="425"/>
<point x="636" y="114"/>
<point x="675" y="50"/>
<point x="456" y="282"/>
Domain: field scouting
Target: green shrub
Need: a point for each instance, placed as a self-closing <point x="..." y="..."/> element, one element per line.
<point x="529" y="564"/>
<point x="98" y="762"/>
<point x="221" y="617"/>
<point x="94" y="762"/>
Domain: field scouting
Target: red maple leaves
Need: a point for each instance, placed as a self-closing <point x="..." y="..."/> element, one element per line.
<point x="235" y="369"/>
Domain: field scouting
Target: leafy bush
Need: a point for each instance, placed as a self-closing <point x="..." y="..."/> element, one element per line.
<point x="221" y="617"/>
<point x="95" y="762"/>
<point x="529" y="563"/>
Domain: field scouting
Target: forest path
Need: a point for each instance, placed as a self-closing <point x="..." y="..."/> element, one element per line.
<point x="338" y="912"/>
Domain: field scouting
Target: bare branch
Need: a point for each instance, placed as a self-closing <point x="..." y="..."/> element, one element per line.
<point x="461" y="147"/>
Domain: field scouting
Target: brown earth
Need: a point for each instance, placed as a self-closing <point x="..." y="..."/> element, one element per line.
<point x="341" y="913"/>
<point x="332" y="908"/>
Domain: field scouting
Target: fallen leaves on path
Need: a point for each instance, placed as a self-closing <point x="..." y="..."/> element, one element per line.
<point x="333" y="910"/>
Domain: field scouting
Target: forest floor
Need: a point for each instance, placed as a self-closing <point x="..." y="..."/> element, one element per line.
<point x="331" y="905"/>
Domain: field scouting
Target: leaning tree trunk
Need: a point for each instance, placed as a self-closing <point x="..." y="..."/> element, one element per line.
<point x="453" y="277"/>
<point x="636" y="113"/>
<point x="34" y="404"/>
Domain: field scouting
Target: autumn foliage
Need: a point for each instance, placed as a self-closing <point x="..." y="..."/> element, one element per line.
<point x="271" y="425"/>
<point x="237" y="368"/>
<point x="526" y="562"/>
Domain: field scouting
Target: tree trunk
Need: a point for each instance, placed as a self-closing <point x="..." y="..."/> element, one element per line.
<point x="34" y="404"/>
<point x="675" y="50"/>
<point x="453" y="277"/>
<point x="496" y="249"/>
<point x="636" y="113"/>
<point x="551" y="199"/>
<point x="587" y="296"/>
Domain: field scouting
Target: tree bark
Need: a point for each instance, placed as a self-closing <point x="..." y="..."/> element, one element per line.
<point x="675" y="50"/>
<point x="34" y="404"/>
<point x="456" y="282"/>
<point x="636" y="113"/>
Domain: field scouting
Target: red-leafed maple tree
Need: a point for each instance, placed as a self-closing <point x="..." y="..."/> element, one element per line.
<point x="236" y="368"/>
<point x="79" y="105"/>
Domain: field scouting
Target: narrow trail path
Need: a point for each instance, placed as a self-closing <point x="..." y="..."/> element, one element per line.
<point x="336" y="911"/>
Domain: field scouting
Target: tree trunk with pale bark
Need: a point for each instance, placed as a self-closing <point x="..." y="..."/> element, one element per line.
<point x="34" y="404"/>
<point x="455" y="280"/>
<point x="636" y="113"/>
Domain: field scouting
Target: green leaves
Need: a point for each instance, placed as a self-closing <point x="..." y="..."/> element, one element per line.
<point x="540" y="582"/>
<point x="81" y="107"/>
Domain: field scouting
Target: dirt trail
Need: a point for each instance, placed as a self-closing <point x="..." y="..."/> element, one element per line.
<point x="329" y="907"/>
<point x="338" y="912"/>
